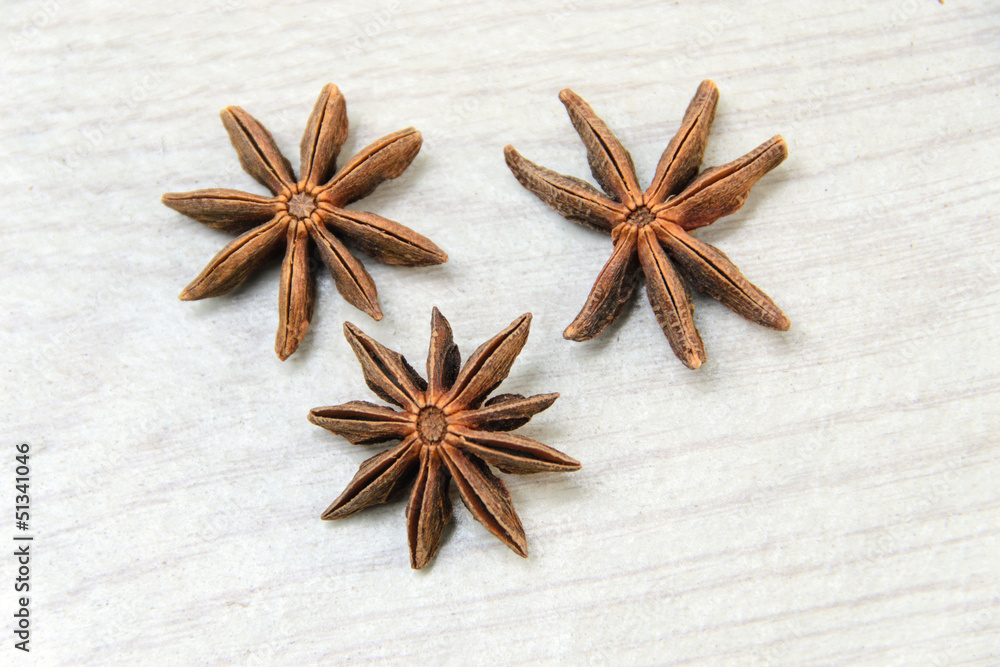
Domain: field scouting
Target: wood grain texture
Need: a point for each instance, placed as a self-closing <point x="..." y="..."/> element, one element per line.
<point x="825" y="496"/>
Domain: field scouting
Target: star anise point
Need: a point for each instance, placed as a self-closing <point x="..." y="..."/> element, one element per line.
<point x="447" y="431"/>
<point x="649" y="229"/>
<point x="305" y="213"/>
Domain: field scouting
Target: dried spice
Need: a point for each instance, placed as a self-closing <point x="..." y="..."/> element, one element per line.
<point x="304" y="213"/>
<point x="446" y="432"/>
<point x="650" y="229"/>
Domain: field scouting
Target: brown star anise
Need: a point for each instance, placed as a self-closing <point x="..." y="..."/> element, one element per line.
<point x="651" y="228"/>
<point x="309" y="208"/>
<point x="447" y="432"/>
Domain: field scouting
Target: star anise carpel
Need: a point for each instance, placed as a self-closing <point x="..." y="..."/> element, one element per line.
<point x="305" y="212"/>
<point x="447" y="431"/>
<point x="650" y="228"/>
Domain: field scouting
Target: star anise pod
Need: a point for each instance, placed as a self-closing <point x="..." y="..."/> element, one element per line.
<point x="446" y="432"/>
<point x="650" y="229"/>
<point x="305" y="212"/>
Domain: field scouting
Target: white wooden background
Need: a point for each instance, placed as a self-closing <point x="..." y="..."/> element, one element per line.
<point x="827" y="496"/>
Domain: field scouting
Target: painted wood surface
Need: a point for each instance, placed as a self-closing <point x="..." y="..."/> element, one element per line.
<point x="826" y="496"/>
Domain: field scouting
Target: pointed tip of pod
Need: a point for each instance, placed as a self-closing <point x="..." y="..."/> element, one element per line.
<point x="782" y="324"/>
<point x="566" y="95"/>
<point x="774" y="151"/>
<point x="331" y="513"/>
<point x="412" y="132"/>
<point x="572" y="332"/>
<point x="370" y="307"/>
<point x="522" y="321"/>
<point x="520" y="548"/>
<point x="433" y="255"/>
<point x="437" y="316"/>
<point x="693" y="361"/>
<point x="420" y="561"/>
<point x="230" y="112"/>
<point x="515" y="161"/>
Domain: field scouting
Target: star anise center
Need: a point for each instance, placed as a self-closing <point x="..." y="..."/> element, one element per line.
<point x="640" y="217"/>
<point x="431" y="424"/>
<point x="301" y="205"/>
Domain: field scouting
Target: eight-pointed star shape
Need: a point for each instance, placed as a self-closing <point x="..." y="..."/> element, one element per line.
<point x="305" y="212"/>
<point x="651" y="228"/>
<point x="446" y="432"/>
